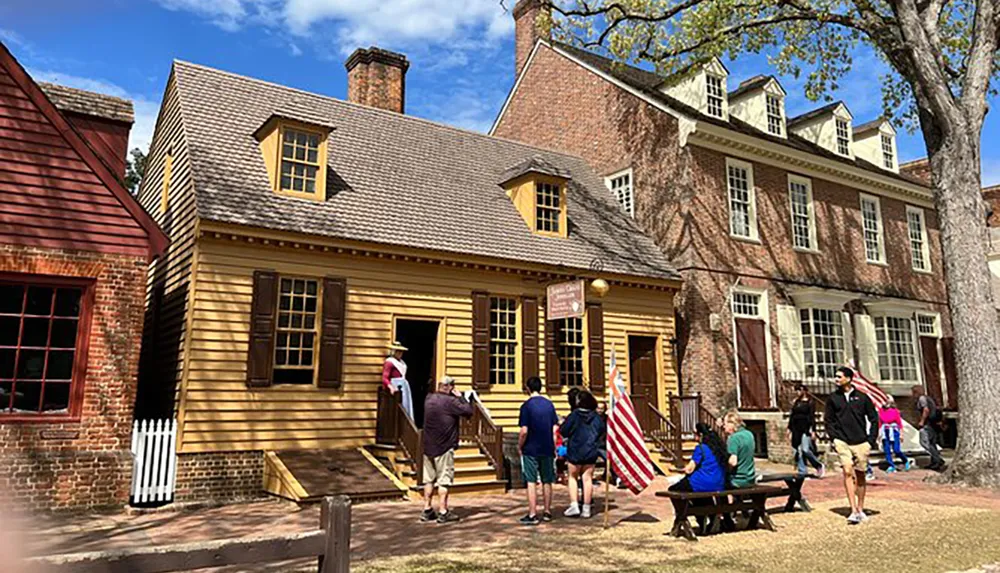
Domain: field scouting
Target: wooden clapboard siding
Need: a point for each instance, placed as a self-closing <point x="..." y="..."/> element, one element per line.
<point x="50" y="194"/>
<point x="168" y="288"/>
<point x="219" y="412"/>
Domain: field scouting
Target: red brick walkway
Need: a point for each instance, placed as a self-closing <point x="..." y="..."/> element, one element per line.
<point x="392" y="528"/>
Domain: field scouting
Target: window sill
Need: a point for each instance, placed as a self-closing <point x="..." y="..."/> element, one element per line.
<point x="39" y="419"/>
<point x="751" y="240"/>
<point x="807" y="251"/>
<point x="878" y="263"/>
<point x="923" y="271"/>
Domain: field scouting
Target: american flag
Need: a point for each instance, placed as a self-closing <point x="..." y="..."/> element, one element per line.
<point x="626" y="446"/>
<point x="879" y="398"/>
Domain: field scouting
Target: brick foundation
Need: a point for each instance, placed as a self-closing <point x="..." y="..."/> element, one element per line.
<point x="221" y="477"/>
<point x="85" y="464"/>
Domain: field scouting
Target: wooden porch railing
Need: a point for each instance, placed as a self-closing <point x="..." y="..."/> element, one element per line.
<point x="688" y="411"/>
<point x="394" y="427"/>
<point x="482" y="431"/>
<point x="665" y="434"/>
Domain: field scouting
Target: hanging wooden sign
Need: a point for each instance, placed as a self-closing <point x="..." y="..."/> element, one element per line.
<point x="565" y="300"/>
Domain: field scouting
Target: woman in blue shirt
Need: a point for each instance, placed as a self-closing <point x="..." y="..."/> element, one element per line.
<point x="706" y="470"/>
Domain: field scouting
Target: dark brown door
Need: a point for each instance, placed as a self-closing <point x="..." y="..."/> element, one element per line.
<point x="420" y="337"/>
<point x="642" y="372"/>
<point x="751" y="354"/>
<point x="950" y="374"/>
<point x="932" y="369"/>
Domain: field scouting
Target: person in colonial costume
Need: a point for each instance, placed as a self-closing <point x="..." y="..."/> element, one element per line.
<point x="394" y="376"/>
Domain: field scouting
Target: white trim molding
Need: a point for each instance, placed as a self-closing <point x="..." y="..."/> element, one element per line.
<point x="817" y="297"/>
<point x="752" y="230"/>
<point x="895" y="307"/>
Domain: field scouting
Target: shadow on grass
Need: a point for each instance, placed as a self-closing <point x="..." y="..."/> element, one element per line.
<point x="846" y="511"/>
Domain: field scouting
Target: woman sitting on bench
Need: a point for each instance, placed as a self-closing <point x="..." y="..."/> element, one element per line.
<point x="706" y="470"/>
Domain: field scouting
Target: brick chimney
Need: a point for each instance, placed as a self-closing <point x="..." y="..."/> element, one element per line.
<point x="377" y="78"/>
<point x="526" y="16"/>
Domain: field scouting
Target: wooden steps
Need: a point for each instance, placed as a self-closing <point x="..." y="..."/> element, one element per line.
<point x="474" y="474"/>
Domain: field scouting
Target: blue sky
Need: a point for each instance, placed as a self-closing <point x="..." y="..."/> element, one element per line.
<point x="461" y="53"/>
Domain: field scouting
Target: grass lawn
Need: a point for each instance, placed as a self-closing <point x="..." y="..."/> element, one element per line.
<point x="901" y="536"/>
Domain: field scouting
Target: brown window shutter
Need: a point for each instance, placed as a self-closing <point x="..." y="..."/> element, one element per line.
<point x="595" y="345"/>
<point x="331" y="338"/>
<point x="260" y="358"/>
<point x="529" y="337"/>
<point x="480" y="340"/>
<point x="552" y="355"/>
<point x="950" y="372"/>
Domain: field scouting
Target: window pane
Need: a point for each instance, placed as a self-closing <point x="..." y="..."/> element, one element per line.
<point x="293" y="376"/>
<point x="60" y="365"/>
<point x="7" y="356"/>
<point x="6" y="388"/>
<point x="63" y="334"/>
<point x="36" y="332"/>
<point x="39" y="301"/>
<point x="31" y="364"/>
<point x="56" y="398"/>
<point x="68" y="302"/>
<point x="10" y="327"/>
<point x="27" y="397"/>
<point x="11" y="299"/>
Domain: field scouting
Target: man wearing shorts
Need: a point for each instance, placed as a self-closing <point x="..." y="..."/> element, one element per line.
<point x="443" y="411"/>
<point x="537" y="445"/>
<point x="852" y="422"/>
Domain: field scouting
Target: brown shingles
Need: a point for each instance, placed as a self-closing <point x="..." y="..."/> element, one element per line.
<point x="88" y="103"/>
<point x="395" y="179"/>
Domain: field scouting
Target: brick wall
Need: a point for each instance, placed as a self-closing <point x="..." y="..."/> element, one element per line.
<point x="220" y="477"/>
<point x="681" y="202"/>
<point x="85" y="464"/>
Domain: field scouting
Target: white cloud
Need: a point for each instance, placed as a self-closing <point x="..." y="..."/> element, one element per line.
<point x="464" y="107"/>
<point x="226" y="14"/>
<point x="145" y="110"/>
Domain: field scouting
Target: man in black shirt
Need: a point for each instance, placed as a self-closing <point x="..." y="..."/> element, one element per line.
<point x="443" y="411"/>
<point x="852" y="422"/>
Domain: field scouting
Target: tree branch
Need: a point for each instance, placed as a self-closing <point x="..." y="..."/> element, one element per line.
<point x="982" y="56"/>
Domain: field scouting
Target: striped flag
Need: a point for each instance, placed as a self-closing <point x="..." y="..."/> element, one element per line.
<point x="627" y="452"/>
<point x="878" y="396"/>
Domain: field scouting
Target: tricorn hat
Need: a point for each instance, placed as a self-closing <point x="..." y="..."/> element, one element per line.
<point x="397" y="346"/>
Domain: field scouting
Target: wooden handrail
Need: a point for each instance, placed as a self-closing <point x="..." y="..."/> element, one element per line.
<point x="484" y="432"/>
<point x="667" y="436"/>
<point x="411" y="440"/>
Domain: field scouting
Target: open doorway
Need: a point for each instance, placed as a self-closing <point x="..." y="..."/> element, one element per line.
<point x="420" y="337"/>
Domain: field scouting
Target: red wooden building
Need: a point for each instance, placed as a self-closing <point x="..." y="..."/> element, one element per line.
<point x="74" y="252"/>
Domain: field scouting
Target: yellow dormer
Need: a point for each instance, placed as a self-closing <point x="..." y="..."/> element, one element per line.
<point x="295" y="153"/>
<point x="538" y="191"/>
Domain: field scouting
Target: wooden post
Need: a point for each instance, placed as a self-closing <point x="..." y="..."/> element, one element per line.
<point x="335" y="519"/>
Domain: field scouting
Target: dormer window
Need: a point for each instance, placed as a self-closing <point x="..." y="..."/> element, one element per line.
<point x="537" y="188"/>
<point x="295" y="154"/>
<point x="888" y="157"/>
<point x="843" y="137"/>
<point x="716" y="93"/>
<point x="775" y="121"/>
<point x="547" y="207"/>
<point x="621" y="186"/>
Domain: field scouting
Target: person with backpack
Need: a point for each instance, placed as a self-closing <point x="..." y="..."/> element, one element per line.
<point x="584" y="432"/>
<point x="929" y="426"/>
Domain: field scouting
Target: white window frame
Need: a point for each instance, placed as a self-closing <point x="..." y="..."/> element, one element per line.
<point x="813" y="246"/>
<point x="925" y="251"/>
<point x="914" y="346"/>
<point x="888" y="145"/>
<point x="721" y="96"/>
<point x="837" y="321"/>
<point x="839" y="122"/>
<point x="880" y="232"/>
<point x="752" y="200"/>
<point x="763" y="313"/>
<point x="629" y="206"/>
<point x="780" y="116"/>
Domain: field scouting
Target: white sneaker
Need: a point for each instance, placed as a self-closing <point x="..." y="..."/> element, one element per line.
<point x="862" y="516"/>
<point x="572" y="511"/>
<point x="854" y="519"/>
<point x="585" y="514"/>
<point x="821" y="472"/>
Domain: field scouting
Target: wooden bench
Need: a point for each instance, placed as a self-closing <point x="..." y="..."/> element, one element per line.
<point x="792" y="488"/>
<point x="749" y="500"/>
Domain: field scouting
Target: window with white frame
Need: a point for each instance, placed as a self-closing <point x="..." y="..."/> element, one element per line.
<point x="716" y="94"/>
<point x="803" y="221"/>
<point x="918" y="239"/>
<point x="843" y="137"/>
<point x="503" y="340"/>
<point x="296" y="331"/>
<point x="927" y="324"/>
<point x="746" y="305"/>
<point x="742" y="210"/>
<point x="571" y="351"/>
<point x="871" y="219"/>
<point x="774" y="120"/>
<point x="897" y="355"/>
<point x="888" y="157"/>
<point x="621" y="186"/>
<point x="822" y="341"/>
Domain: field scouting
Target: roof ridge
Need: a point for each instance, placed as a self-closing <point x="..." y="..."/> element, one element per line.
<point x="378" y="110"/>
<point x="92" y="92"/>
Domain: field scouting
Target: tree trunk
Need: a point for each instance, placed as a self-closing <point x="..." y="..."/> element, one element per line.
<point x="955" y="164"/>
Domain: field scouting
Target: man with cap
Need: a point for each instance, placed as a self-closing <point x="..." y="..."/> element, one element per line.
<point x="394" y="376"/>
<point x="443" y="411"/>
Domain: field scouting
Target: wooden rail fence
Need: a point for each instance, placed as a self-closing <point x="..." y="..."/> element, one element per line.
<point x="331" y="543"/>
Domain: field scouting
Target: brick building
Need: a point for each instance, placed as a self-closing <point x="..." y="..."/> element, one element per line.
<point x="74" y="249"/>
<point x="801" y="244"/>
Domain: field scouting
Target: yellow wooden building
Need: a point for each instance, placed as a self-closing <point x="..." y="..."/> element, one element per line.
<point x="308" y="233"/>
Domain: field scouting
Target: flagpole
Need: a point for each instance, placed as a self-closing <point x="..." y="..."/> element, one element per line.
<point x="607" y="467"/>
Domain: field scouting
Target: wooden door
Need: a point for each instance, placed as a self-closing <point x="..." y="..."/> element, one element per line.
<point x="950" y="373"/>
<point x="932" y="369"/>
<point x="751" y="355"/>
<point x="644" y="379"/>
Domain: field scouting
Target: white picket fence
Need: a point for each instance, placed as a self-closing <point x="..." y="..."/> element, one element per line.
<point x="154" y="455"/>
